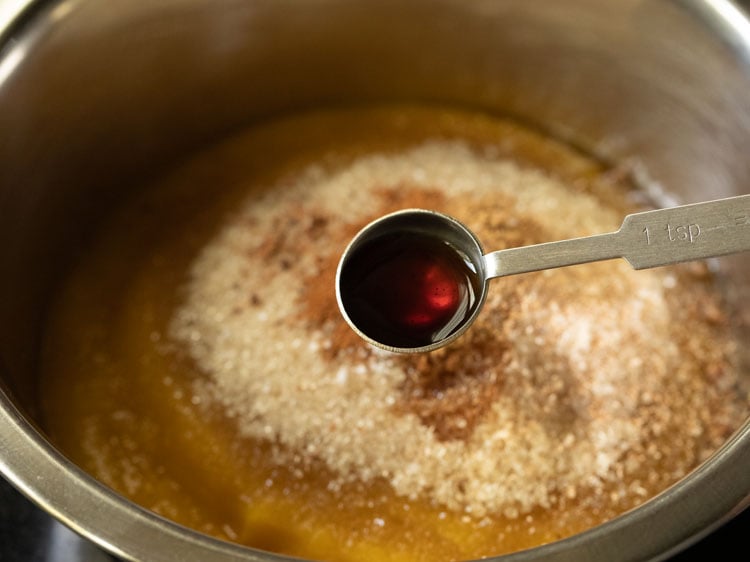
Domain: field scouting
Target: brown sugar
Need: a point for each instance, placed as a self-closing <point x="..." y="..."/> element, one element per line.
<point x="570" y="382"/>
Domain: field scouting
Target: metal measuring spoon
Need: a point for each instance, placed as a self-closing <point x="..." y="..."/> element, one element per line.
<point x="415" y="280"/>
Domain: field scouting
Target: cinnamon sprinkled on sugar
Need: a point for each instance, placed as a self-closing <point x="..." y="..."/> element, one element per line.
<point x="572" y="383"/>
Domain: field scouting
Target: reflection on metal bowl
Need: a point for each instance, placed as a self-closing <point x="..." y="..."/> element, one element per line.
<point x="95" y="97"/>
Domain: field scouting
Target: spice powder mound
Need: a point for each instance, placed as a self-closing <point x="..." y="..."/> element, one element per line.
<point x="573" y="384"/>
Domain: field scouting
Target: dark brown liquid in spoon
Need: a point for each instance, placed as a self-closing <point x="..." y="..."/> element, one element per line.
<point x="408" y="289"/>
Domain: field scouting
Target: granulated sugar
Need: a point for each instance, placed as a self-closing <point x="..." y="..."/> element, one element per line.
<point x="572" y="383"/>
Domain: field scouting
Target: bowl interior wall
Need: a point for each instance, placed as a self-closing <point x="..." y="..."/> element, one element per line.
<point x="97" y="97"/>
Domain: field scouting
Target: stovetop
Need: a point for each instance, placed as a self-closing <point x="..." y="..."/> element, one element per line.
<point x="28" y="534"/>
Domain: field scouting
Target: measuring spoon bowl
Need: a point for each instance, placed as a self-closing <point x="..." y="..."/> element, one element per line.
<point x="412" y="281"/>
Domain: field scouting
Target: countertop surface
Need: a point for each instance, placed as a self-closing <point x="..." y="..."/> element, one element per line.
<point x="27" y="534"/>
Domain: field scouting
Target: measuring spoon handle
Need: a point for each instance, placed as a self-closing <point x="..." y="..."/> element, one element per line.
<point x="647" y="239"/>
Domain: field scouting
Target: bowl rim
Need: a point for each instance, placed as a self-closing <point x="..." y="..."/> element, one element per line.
<point x="662" y="526"/>
<point x="703" y="500"/>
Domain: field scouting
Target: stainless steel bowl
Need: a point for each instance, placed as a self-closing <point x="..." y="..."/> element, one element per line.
<point x="98" y="95"/>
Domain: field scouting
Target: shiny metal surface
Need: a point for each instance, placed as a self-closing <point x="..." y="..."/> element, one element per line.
<point x="438" y="226"/>
<point x="96" y="96"/>
<point x="649" y="239"/>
